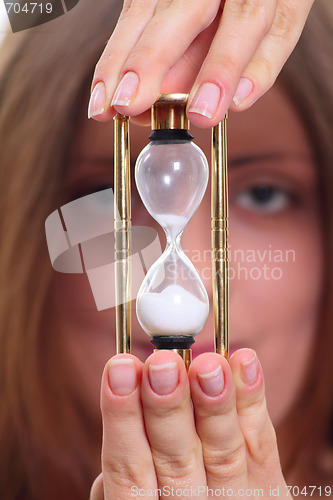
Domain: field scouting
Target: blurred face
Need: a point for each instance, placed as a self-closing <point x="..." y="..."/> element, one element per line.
<point x="275" y="250"/>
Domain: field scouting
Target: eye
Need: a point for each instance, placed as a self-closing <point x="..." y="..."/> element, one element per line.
<point x="264" y="198"/>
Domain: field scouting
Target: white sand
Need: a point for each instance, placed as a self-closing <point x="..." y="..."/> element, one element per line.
<point x="174" y="224"/>
<point x="171" y="312"/>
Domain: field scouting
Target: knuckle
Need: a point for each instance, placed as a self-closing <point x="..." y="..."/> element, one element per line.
<point x="136" y="12"/>
<point x="167" y="410"/>
<point x="203" y="14"/>
<point x="248" y="8"/>
<point x="175" y="465"/>
<point x="162" y="5"/>
<point x="113" y="414"/>
<point x="126" y="6"/>
<point x="262" y="445"/>
<point x="224" y="410"/>
<point x="142" y="55"/>
<point x="224" y="464"/>
<point x="123" y="474"/>
<point x="284" y="21"/>
<point x="107" y="60"/>
<point x="259" y="12"/>
<point x="140" y="7"/>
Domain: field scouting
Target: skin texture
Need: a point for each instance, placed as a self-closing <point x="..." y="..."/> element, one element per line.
<point x="274" y="317"/>
<point x="225" y="53"/>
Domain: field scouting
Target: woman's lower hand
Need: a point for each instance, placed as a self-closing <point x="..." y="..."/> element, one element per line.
<point x="196" y="435"/>
<point x="226" y="53"/>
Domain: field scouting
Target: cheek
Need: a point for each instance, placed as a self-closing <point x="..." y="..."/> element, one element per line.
<point x="274" y="299"/>
<point x="85" y="334"/>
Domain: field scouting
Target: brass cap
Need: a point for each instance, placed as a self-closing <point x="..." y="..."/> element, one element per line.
<point x="169" y="112"/>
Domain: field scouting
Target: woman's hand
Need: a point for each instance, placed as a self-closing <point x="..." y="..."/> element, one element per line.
<point x="227" y="53"/>
<point x="190" y="436"/>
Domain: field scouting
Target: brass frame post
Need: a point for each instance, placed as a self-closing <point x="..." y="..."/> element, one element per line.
<point x="220" y="217"/>
<point x="122" y="233"/>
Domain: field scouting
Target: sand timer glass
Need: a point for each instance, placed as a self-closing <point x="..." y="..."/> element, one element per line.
<point x="171" y="175"/>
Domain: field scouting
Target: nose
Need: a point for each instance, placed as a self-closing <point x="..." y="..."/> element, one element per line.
<point x="196" y="242"/>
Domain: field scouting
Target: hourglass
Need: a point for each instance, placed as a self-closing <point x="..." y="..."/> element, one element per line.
<point x="171" y="175"/>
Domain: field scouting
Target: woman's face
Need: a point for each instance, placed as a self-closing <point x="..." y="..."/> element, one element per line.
<point x="275" y="249"/>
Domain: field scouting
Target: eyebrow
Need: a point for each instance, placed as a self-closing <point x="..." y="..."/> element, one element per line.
<point x="234" y="162"/>
<point x="239" y="161"/>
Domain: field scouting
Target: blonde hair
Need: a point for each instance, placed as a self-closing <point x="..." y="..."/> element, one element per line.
<point x="47" y="435"/>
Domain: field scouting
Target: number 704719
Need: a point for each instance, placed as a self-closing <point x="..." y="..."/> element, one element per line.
<point x="29" y="7"/>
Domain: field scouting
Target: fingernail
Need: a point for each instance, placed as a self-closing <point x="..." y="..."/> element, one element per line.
<point x="205" y="102"/>
<point x="122" y="376"/>
<point x="126" y="89"/>
<point x="243" y="91"/>
<point x="97" y="100"/>
<point x="249" y="370"/>
<point x="212" y="383"/>
<point x="163" y="378"/>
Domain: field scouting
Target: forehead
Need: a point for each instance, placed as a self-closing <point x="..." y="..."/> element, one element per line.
<point x="270" y="125"/>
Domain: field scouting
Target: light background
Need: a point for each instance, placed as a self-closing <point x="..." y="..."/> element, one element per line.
<point x="4" y="22"/>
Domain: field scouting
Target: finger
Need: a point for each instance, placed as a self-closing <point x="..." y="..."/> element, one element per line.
<point x="169" y="421"/>
<point x="132" y="21"/>
<point x="268" y="60"/>
<point x="97" y="489"/>
<point x="254" y="420"/>
<point x="126" y="458"/>
<point x="242" y="27"/>
<point x="214" y="400"/>
<point x="142" y="75"/>
<point x="182" y="75"/>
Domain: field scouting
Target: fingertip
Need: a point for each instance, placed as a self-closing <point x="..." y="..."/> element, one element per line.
<point x="122" y="375"/>
<point x="201" y="121"/>
<point x="105" y="116"/>
<point x="210" y="375"/>
<point x="205" y="362"/>
<point x="99" y="108"/>
<point x="246" y="370"/>
<point x="243" y="92"/>
<point x="163" y="373"/>
<point x="206" y="106"/>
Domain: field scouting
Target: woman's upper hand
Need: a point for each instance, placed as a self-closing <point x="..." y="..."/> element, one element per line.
<point x="188" y="435"/>
<point x="226" y="53"/>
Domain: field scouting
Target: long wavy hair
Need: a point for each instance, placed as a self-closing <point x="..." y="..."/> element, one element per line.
<point x="48" y="437"/>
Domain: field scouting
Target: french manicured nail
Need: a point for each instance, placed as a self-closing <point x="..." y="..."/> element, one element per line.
<point x="122" y="376"/>
<point x="97" y="100"/>
<point x="206" y="101"/>
<point x="249" y="370"/>
<point x="212" y="383"/>
<point x="163" y="378"/>
<point x="243" y="91"/>
<point x="126" y="89"/>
